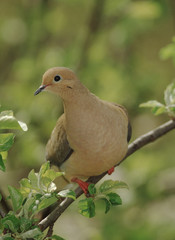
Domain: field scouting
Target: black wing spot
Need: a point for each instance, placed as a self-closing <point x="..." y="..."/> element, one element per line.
<point x="68" y="155"/>
<point x="129" y="132"/>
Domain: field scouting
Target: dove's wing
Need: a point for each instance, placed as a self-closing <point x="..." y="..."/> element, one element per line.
<point x="58" y="149"/>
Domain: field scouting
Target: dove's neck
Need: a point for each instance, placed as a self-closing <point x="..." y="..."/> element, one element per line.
<point x="80" y="108"/>
<point x="77" y="97"/>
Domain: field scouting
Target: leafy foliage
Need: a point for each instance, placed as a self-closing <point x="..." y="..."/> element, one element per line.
<point x="36" y="193"/>
<point x="8" y="122"/>
<point x="104" y="193"/>
<point x="158" y="108"/>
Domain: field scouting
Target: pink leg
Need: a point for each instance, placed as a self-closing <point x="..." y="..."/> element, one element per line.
<point x="83" y="185"/>
<point x="111" y="170"/>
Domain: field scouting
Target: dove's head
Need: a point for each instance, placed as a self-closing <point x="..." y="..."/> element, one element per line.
<point x="59" y="80"/>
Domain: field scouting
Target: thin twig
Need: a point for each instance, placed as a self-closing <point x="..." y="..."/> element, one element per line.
<point x="133" y="147"/>
<point x="50" y="231"/>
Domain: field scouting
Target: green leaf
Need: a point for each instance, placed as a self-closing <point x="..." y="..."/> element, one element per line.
<point x="169" y="97"/>
<point x="25" y="191"/>
<point x="0" y="197"/>
<point x="46" y="180"/>
<point x="159" y="110"/>
<point x="46" y="176"/>
<point x="107" y="204"/>
<point x="4" y="155"/>
<point x="2" y="165"/>
<point x="44" y="168"/>
<point x="31" y="233"/>
<point x="23" y="126"/>
<point x="8" y="121"/>
<point x="24" y="182"/>
<point x="47" y="185"/>
<point x="169" y="94"/>
<point x="11" y="222"/>
<point x="16" y="197"/>
<point x="151" y="104"/>
<point x="92" y="189"/>
<point x="25" y="224"/>
<point x="34" y="179"/>
<point x="114" y="198"/>
<point x="51" y="174"/>
<point x="6" y="113"/>
<point x="109" y="185"/>
<point x="28" y="205"/>
<point x="6" y="141"/>
<point x="46" y="202"/>
<point x="87" y="207"/>
<point x="67" y="193"/>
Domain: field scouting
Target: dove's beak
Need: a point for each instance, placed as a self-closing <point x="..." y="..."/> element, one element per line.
<point x="40" y="89"/>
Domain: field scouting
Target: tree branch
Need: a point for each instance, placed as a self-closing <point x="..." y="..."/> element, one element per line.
<point x="133" y="147"/>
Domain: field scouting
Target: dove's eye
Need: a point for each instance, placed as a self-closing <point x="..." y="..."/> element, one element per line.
<point x="57" y="78"/>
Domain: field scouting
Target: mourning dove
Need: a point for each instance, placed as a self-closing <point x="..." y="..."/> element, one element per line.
<point x="91" y="136"/>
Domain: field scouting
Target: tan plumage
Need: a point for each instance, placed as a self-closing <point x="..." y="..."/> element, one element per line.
<point x="91" y="136"/>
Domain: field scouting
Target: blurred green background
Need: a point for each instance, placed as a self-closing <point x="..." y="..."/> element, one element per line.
<point x="114" y="47"/>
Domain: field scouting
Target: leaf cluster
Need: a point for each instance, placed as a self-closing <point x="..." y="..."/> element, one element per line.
<point x="158" y="108"/>
<point x="106" y="193"/>
<point x="36" y="193"/>
<point x="8" y="122"/>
